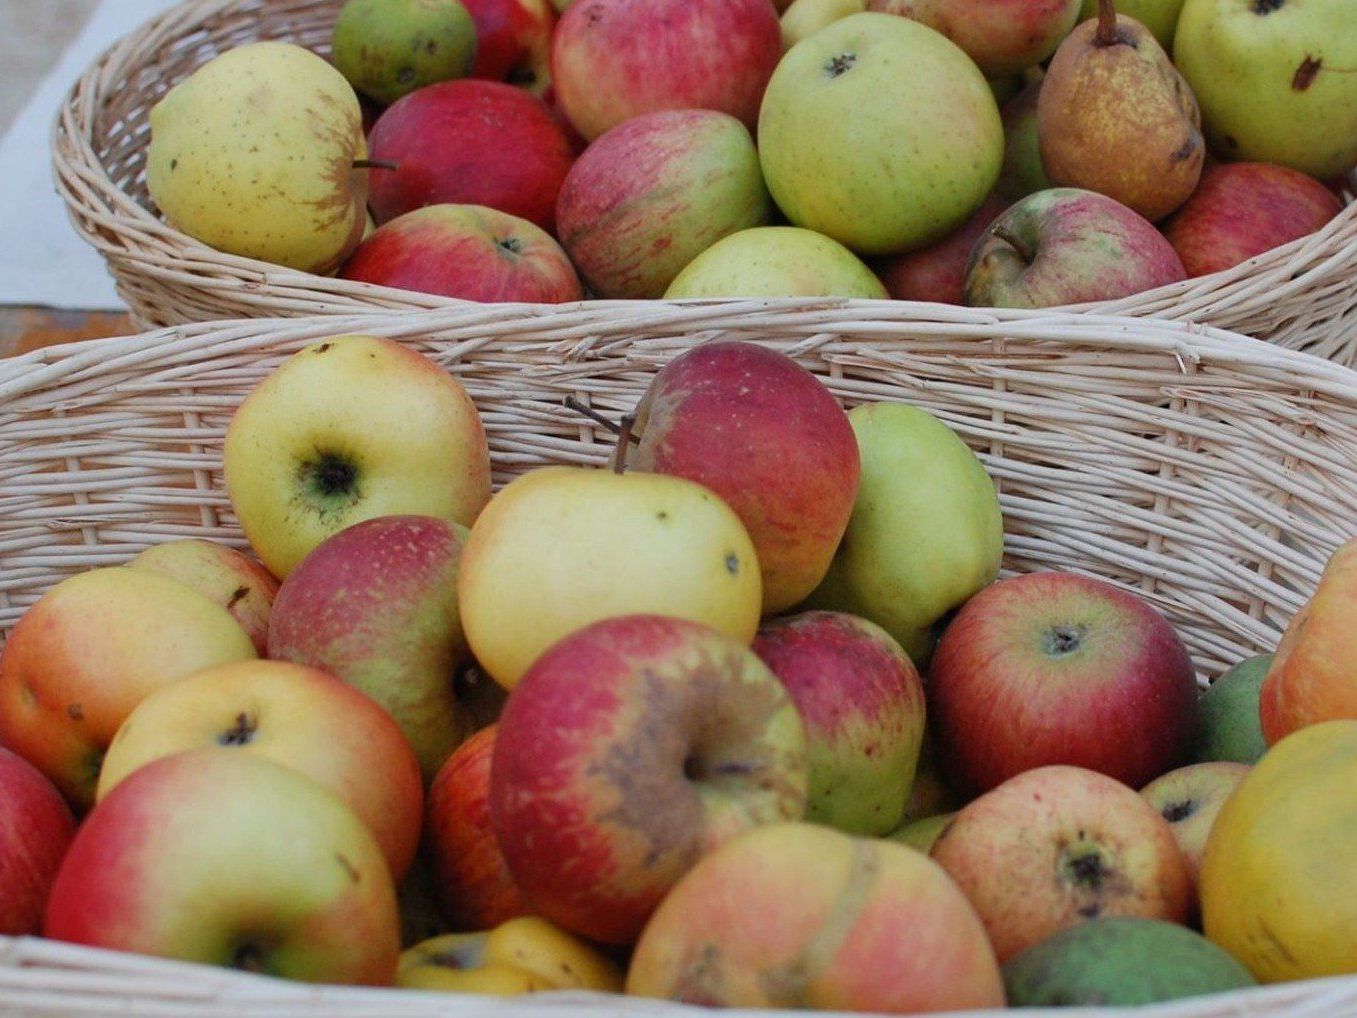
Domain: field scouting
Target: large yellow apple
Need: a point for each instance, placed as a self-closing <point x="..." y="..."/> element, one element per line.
<point x="349" y="429"/>
<point x="564" y="546"/>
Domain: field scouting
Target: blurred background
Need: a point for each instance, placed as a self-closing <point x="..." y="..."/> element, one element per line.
<point x="32" y="35"/>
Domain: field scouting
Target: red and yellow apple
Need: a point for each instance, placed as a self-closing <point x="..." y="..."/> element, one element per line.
<point x="513" y="41"/>
<point x="36" y="827"/>
<point x="1190" y="798"/>
<point x="1001" y="36"/>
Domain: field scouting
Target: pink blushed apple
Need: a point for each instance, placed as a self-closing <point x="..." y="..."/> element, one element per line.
<point x="612" y="60"/>
<point x="36" y="827"/>
<point x="469" y="252"/>
<point x="513" y="41"/>
<point x="1060" y="668"/>
<point x="469" y="142"/>
<point x="627" y="751"/>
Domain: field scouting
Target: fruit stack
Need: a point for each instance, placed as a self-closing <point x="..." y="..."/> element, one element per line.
<point x="746" y="717"/>
<point x="985" y="152"/>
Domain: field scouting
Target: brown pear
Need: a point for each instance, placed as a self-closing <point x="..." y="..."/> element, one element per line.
<point x="1115" y="116"/>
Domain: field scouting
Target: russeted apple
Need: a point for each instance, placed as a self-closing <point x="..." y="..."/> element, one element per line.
<point x="230" y="859"/>
<point x="300" y="717"/>
<point x="347" y="429"/>
<point x="771" y="440"/>
<point x="90" y="650"/>
<point x="376" y="605"/>
<point x="628" y="750"/>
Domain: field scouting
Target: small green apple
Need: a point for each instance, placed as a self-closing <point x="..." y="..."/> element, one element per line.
<point x="1159" y="16"/>
<point x="803" y="18"/>
<point x="389" y="48"/>
<point x="776" y="261"/>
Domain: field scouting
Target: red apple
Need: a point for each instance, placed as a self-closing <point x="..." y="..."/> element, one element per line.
<point x="469" y="142"/>
<point x="655" y="192"/>
<point x="627" y="751"/>
<point x="230" y="859"/>
<point x="474" y="887"/>
<point x="1058" y="668"/>
<point x="1001" y="36"/>
<point x="612" y="60"/>
<point x="36" y="827"/>
<point x="937" y="273"/>
<point x="1055" y="846"/>
<point x="469" y="252"/>
<point x="1240" y="210"/>
<point x="769" y="438"/>
<point x="862" y="704"/>
<point x="513" y="41"/>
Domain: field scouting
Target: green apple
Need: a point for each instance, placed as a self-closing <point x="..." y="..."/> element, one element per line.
<point x="1230" y="726"/>
<point x="389" y="48"/>
<point x="926" y="531"/>
<point x="803" y="18"/>
<point x="1159" y="16"/>
<point x="776" y="261"/>
<point x="253" y="154"/>
<point x="921" y="834"/>
<point x="346" y="430"/>
<point x="879" y="132"/>
<point x="1276" y="80"/>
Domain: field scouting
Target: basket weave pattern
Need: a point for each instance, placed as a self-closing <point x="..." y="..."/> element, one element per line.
<point x="1210" y="473"/>
<point x="1300" y="295"/>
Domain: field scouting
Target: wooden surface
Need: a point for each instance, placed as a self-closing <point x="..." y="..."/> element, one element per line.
<point x="27" y="328"/>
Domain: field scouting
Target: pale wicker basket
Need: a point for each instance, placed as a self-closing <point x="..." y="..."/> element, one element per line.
<point x="1210" y="473"/>
<point x="1301" y="295"/>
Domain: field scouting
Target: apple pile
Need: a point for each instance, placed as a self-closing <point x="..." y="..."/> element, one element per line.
<point x="1003" y="153"/>
<point x="745" y="717"/>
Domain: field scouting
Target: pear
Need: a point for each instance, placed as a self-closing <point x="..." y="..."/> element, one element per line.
<point x="1276" y="79"/>
<point x="254" y="154"/>
<point x="1115" y="116"/>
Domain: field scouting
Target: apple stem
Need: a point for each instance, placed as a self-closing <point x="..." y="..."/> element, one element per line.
<point x="1015" y="242"/>
<point x="375" y="164"/>
<point x="595" y="416"/>
<point x="623" y="437"/>
<point x="1107" y="24"/>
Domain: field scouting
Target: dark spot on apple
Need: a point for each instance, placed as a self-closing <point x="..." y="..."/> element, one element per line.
<point x="323" y="347"/>
<point x="1091" y="911"/>
<point x="1176" y="811"/>
<point x="1184" y="151"/>
<point x="1306" y="73"/>
<point x="1087" y="869"/>
<point x="75" y="712"/>
<point x="237" y="595"/>
<point x="349" y="867"/>
<point x="239" y="734"/>
<point x="328" y="475"/>
<point x="511" y="244"/>
<point x="248" y="957"/>
<point x="733" y="564"/>
<point x="431" y="47"/>
<point x="841" y="64"/>
<point x="405" y="76"/>
<point x="1062" y="640"/>
<point x="1230" y="141"/>
<point x="662" y="516"/>
<point x="698" y="980"/>
<point x="1267" y="6"/>
<point x="174" y="165"/>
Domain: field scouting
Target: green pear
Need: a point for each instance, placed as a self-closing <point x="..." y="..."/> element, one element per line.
<point x="806" y="17"/>
<point x="776" y="261"/>
<point x="389" y="48"/>
<point x="926" y="530"/>
<point x="1276" y="80"/>
<point x="1159" y="16"/>
<point x="253" y="154"/>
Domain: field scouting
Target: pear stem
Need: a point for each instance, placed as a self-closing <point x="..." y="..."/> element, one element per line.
<point x="1106" y="35"/>
<point x="1008" y="237"/>
<point x="375" y="164"/>
<point x="623" y="438"/>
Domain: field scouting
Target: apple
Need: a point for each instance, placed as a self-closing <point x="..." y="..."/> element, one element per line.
<point x="1001" y="36"/>
<point x="800" y="916"/>
<point x="1230" y="726"/>
<point x="1189" y="799"/>
<point x="389" y="48"/>
<point x="776" y="261"/>
<point x="469" y="252"/>
<point x="770" y="439"/>
<point x="1023" y="172"/>
<point x="513" y="41"/>
<point x="231" y="578"/>
<point x="921" y="834"/>
<point x="803" y="18"/>
<point x="1159" y="16"/>
<point x="880" y="133"/>
<point x="612" y="60"/>
<point x="653" y="193"/>
<point x="570" y="545"/>
<point x="937" y="273"/>
<point x="1058" y="845"/>
<point x="1313" y="675"/>
<point x="1240" y="210"/>
<point x="862" y="704"/>
<point x="926" y="530"/>
<point x="1065" y="245"/>
<point x="525" y="954"/>
<point x="469" y="142"/>
<point x="230" y="859"/>
<point x="376" y="605"/>
<point x="36" y="828"/>
<point x="300" y="717"/>
<point x="628" y="750"/>
<point x="472" y="880"/>
<point x="1060" y="668"/>
<point x="347" y="429"/>
<point x="91" y="649"/>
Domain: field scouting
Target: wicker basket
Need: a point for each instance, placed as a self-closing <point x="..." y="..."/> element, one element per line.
<point x="1300" y="295"/>
<point x="1210" y="473"/>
